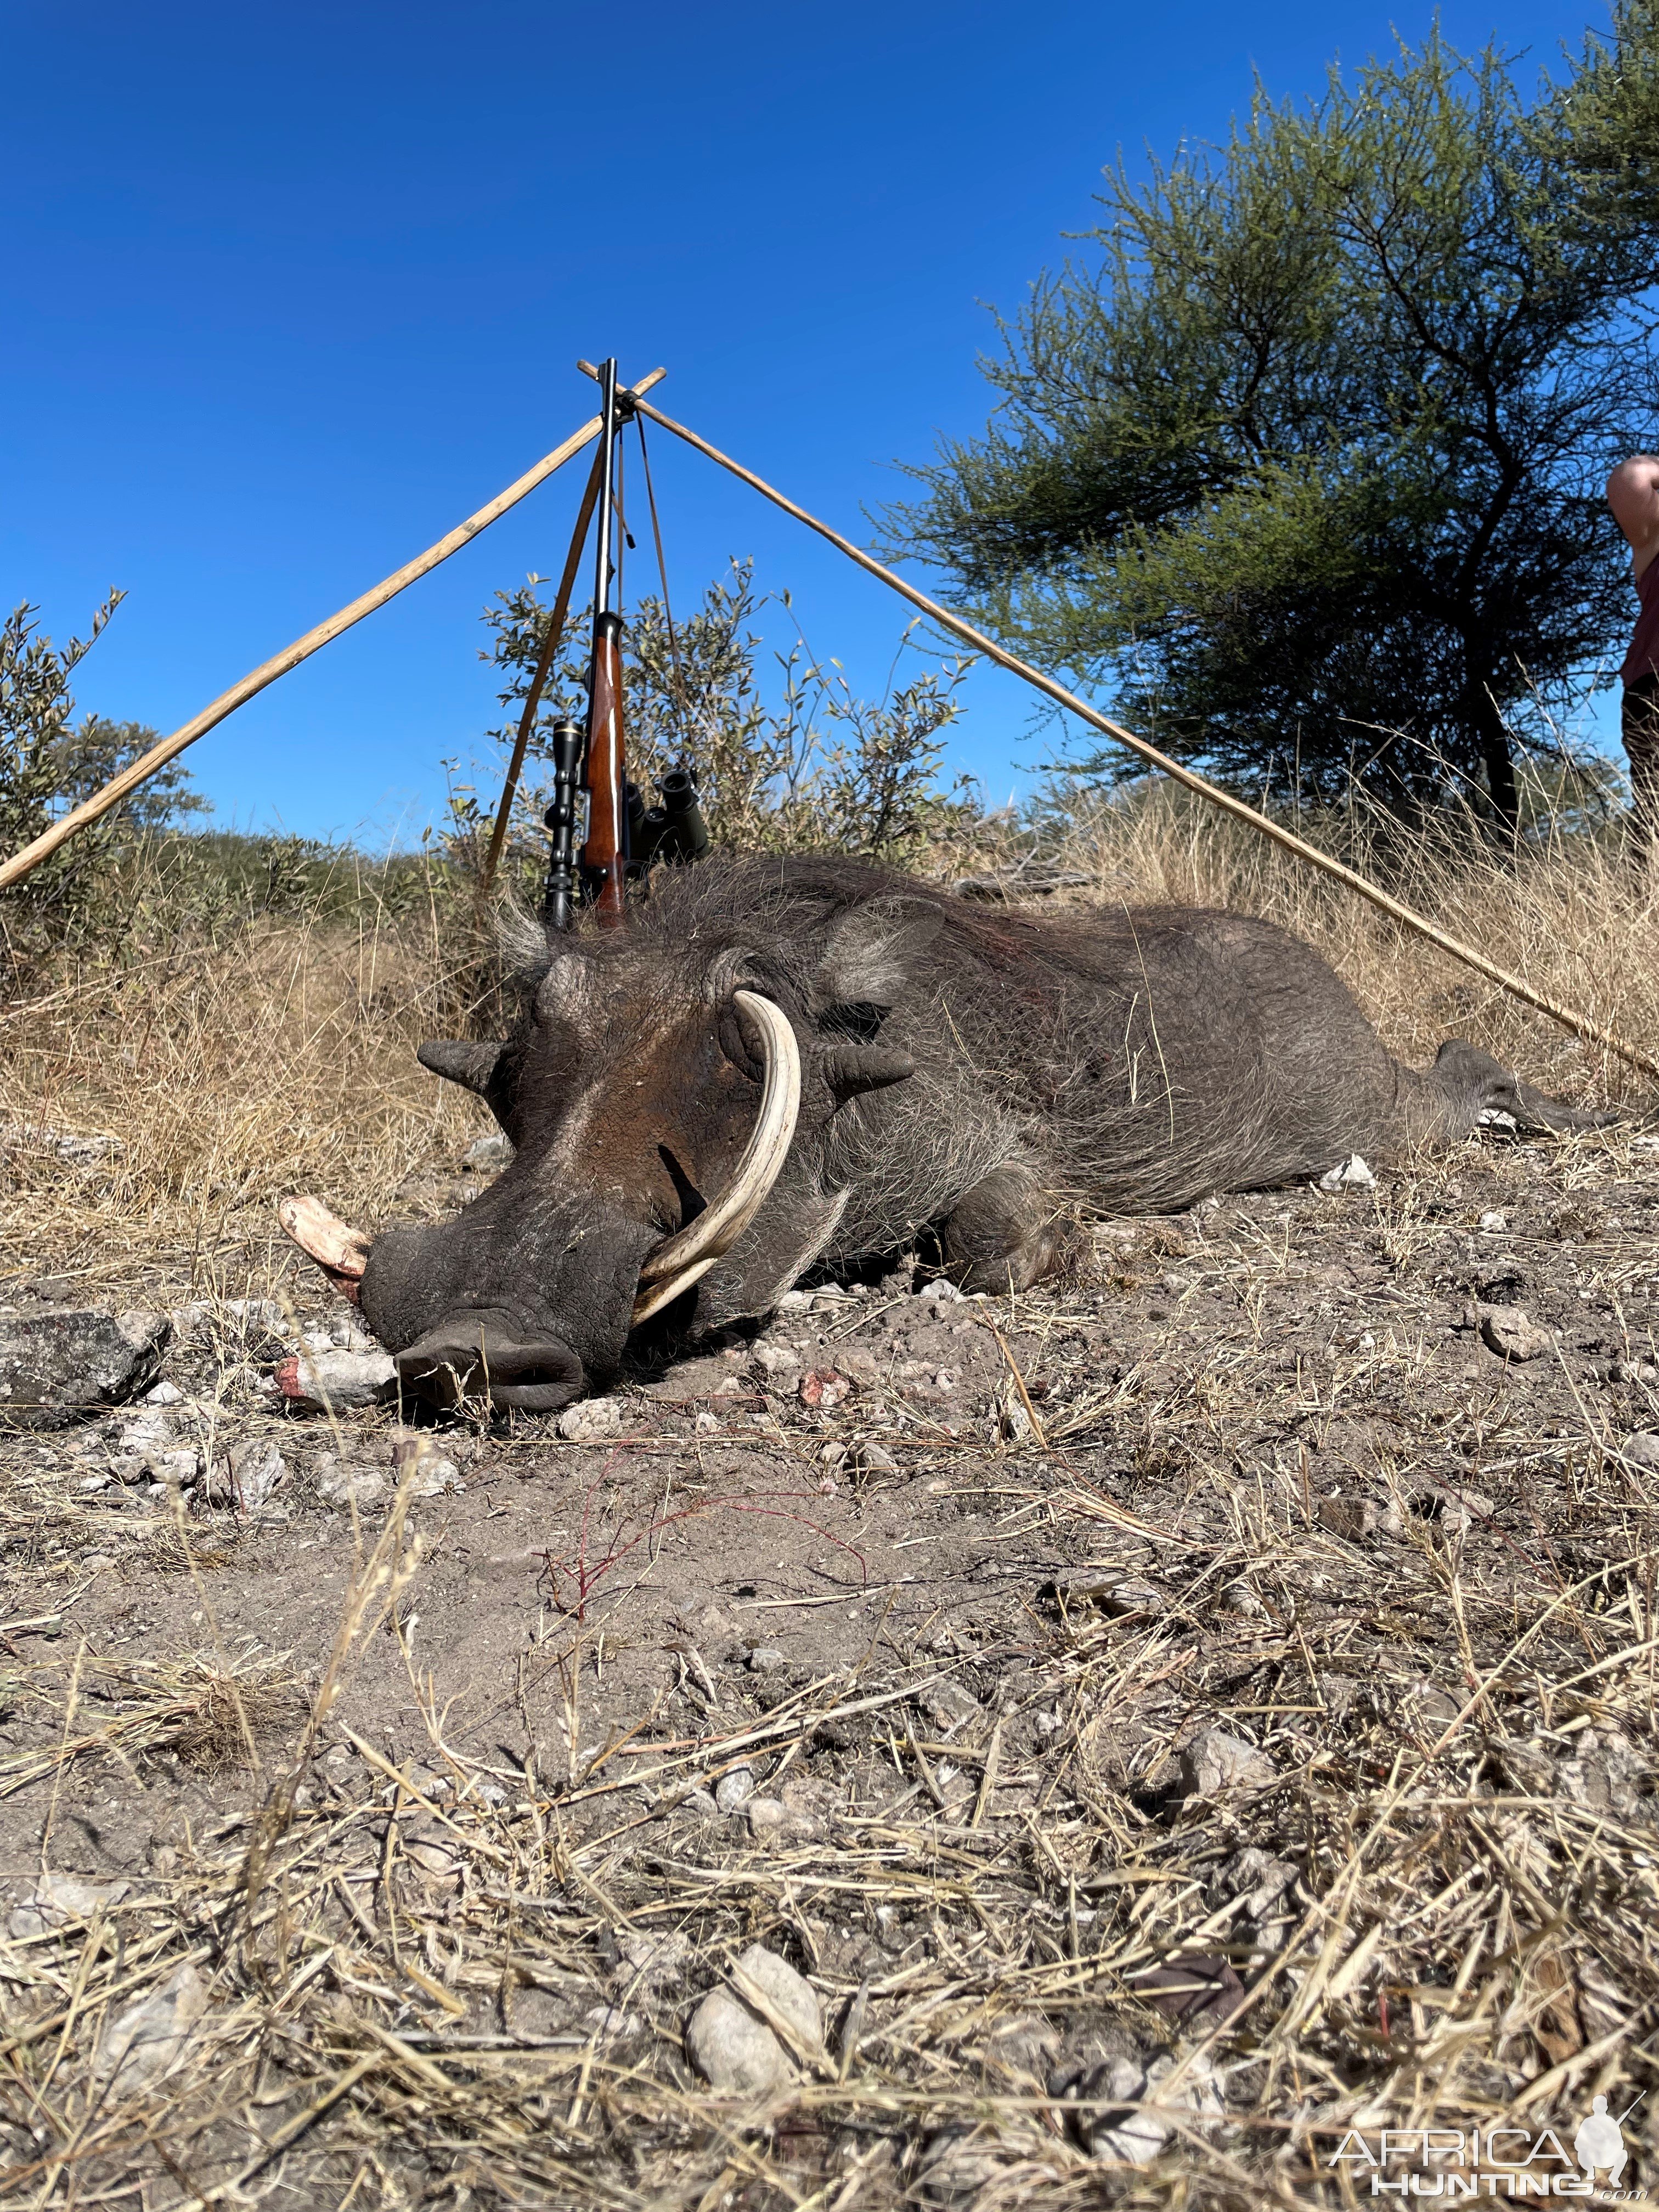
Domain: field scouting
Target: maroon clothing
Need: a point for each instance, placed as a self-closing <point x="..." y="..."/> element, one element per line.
<point x="1643" y="658"/>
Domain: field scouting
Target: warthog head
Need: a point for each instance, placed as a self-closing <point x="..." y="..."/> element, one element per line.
<point x="653" y="1088"/>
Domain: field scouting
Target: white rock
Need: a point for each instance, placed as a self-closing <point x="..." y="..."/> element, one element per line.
<point x="790" y="1996"/>
<point x="349" y="1485"/>
<point x="57" y="1899"/>
<point x="766" y="1659"/>
<point x="589" y="1419"/>
<point x="483" y="1153"/>
<point x="420" y="1470"/>
<point x="1351" y="1173"/>
<point x="1513" y="1335"/>
<point x="1494" y="1223"/>
<point x="1215" y="1762"/>
<point x="164" y="1394"/>
<point x="734" y="1789"/>
<point x="1641" y="1448"/>
<point x="249" y="1473"/>
<point x="781" y="1364"/>
<point x="150" y="2038"/>
<point x="346" y="1331"/>
<point x="317" y="1381"/>
<point x="1137" y="2139"/>
<point x="733" y="2050"/>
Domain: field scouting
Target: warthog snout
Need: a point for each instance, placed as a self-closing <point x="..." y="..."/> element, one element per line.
<point x="473" y="1354"/>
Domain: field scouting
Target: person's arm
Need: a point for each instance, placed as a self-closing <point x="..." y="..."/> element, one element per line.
<point x="1633" y="496"/>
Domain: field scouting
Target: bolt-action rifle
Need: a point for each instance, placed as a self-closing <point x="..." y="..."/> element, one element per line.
<point x="620" y="835"/>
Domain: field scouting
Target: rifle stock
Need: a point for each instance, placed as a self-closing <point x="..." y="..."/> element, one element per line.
<point x="605" y="853"/>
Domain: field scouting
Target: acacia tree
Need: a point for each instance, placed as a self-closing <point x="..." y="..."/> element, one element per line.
<point x="1306" y="466"/>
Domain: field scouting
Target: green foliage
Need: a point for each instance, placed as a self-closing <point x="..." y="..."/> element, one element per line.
<point x="1306" y="470"/>
<point x="815" y="768"/>
<point x="47" y="766"/>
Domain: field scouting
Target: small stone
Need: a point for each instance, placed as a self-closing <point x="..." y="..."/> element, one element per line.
<point x="164" y="1394"/>
<point x="348" y="1334"/>
<point x="57" y="1899"/>
<point x="866" y="1456"/>
<point x="705" y="1423"/>
<point x="437" y="1862"/>
<point x="733" y="2050"/>
<point x="1014" y="1422"/>
<point x="1111" y="1588"/>
<point x="1254" y="1875"/>
<point x="590" y="1420"/>
<point x="823" y="1388"/>
<point x="648" y="1961"/>
<point x="781" y="1364"/>
<point x="790" y="1996"/>
<point x="247" y="1474"/>
<point x="734" y="1789"/>
<point x="486" y="1154"/>
<point x="1215" y="1762"/>
<point x="1349" y="1174"/>
<point x="766" y="1659"/>
<point x="341" y="1484"/>
<point x="148" y="2040"/>
<point x="1494" y="1223"/>
<point x="1641" y="1448"/>
<point x="420" y="1470"/>
<point x="333" y="1380"/>
<point x="1513" y="1335"/>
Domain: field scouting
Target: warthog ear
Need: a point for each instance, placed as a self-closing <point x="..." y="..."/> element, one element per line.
<point x="872" y="951"/>
<point x="471" y="1065"/>
<point x="849" y="1069"/>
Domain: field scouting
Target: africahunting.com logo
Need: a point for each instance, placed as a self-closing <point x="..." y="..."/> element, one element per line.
<point x="1495" y="2161"/>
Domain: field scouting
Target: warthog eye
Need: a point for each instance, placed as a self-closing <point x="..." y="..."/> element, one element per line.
<point x="692" y="1201"/>
<point x="858" y="1019"/>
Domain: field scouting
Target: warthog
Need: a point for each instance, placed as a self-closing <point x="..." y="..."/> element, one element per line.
<point x="783" y="1063"/>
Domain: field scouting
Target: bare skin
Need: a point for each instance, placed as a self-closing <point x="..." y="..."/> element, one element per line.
<point x="1633" y="496"/>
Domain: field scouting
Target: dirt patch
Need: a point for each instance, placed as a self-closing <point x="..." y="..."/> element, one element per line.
<point x="1179" y="1722"/>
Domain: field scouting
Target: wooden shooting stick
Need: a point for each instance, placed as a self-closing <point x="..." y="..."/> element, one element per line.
<point x="14" y="870"/>
<point x="538" y="681"/>
<point x="1580" y="1025"/>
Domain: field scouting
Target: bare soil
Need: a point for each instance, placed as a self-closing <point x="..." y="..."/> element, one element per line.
<point x="457" y="1805"/>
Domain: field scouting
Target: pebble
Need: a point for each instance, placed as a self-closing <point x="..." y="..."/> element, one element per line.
<point x="1351" y="1173"/>
<point x="766" y="1659"/>
<point x="733" y="2048"/>
<point x="734" y="1789"/>
<point x="1215" y="1762"/>
<point x="1494" y="1223"/>
<point x="151" y="2037"/>
<point x="1513" y="1335"/>
<point x="165" y="1394"/>
<point x="590" y="1420"/>
<point x="1642" y="1448"/>
<point x="485" y="1153"/>
<point x="57" y="1899"/>
<point x="420" y="1470"/>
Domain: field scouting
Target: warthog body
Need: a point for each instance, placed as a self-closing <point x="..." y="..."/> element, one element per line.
<point x="984" y="1076"/>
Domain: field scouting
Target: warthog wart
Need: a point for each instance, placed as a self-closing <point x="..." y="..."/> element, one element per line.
<point x="783" y="1062"/>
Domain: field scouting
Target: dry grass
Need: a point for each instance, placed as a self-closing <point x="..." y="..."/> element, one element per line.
<point x="474" y="1991"/>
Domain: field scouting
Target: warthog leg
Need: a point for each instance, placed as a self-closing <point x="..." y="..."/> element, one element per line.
<point x="1006" y="1233"/>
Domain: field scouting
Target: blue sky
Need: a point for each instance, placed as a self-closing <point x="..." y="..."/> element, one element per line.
<point x="292" y="290"/>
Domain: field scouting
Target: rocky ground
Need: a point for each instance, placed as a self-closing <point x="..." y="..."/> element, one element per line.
<point x="1130" y="1741"/>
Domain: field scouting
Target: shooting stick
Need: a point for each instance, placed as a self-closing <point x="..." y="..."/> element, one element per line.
<point x="14" y="870"/>
<point x="1580" y="1025"/>
<point x="538" y="682"/>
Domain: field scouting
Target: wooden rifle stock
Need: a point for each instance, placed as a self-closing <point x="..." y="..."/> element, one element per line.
<point x="604" y="854"/>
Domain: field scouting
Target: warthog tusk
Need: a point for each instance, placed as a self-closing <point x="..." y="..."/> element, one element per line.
<point x="679" y="1260"/>
<point x="341" y="1251"/>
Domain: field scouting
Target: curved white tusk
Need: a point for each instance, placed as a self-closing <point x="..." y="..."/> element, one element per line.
<point x="679" y="1260"/>
<point x="341" y="1251"/>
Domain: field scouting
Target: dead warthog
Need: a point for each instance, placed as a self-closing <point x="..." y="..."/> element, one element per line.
<point x="778" y="1063"/>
